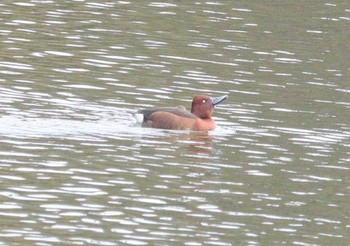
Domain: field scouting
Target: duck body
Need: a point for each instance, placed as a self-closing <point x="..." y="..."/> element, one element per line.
<point x="178" y="118"/>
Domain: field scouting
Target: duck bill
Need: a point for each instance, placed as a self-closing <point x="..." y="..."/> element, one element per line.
<point x="217" y="100"/>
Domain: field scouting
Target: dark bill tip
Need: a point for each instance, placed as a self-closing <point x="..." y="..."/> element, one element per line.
<point x="217" y="100"/>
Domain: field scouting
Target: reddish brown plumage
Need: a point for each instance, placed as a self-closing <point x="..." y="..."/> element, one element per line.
<point x="199" y="119"/>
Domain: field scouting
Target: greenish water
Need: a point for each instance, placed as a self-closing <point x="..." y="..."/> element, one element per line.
<point x="77" y="169"/>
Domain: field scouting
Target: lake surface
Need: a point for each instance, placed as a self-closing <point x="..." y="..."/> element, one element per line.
<point x="77" y="170"/>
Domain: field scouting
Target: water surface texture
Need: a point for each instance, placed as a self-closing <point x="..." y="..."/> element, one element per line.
<point x="75" y="169"/>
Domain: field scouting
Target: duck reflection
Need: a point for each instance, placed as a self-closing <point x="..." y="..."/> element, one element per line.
<point x="196" y="144"/>
<point x="201" y="143"/>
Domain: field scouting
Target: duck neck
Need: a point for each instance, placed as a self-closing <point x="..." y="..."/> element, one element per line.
<point x="202" y="114"/>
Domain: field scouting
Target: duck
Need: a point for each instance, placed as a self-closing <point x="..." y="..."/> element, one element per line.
<point x="179" y="118"/>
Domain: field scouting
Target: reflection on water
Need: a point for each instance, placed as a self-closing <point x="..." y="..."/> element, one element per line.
<point x="76" y="169"/>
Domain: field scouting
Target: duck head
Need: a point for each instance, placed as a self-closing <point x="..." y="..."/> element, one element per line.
<point x="203" y="105"/>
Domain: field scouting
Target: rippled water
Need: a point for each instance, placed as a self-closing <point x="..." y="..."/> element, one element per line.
<point x="77" y="169"/>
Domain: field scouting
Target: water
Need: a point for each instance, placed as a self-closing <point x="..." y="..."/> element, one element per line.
<point x="77" y="169"/>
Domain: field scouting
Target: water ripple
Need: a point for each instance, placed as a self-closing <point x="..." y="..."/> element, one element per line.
<point x="76" y="169"/>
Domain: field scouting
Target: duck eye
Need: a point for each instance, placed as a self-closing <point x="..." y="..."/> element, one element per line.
<point x="204" y="101"/>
